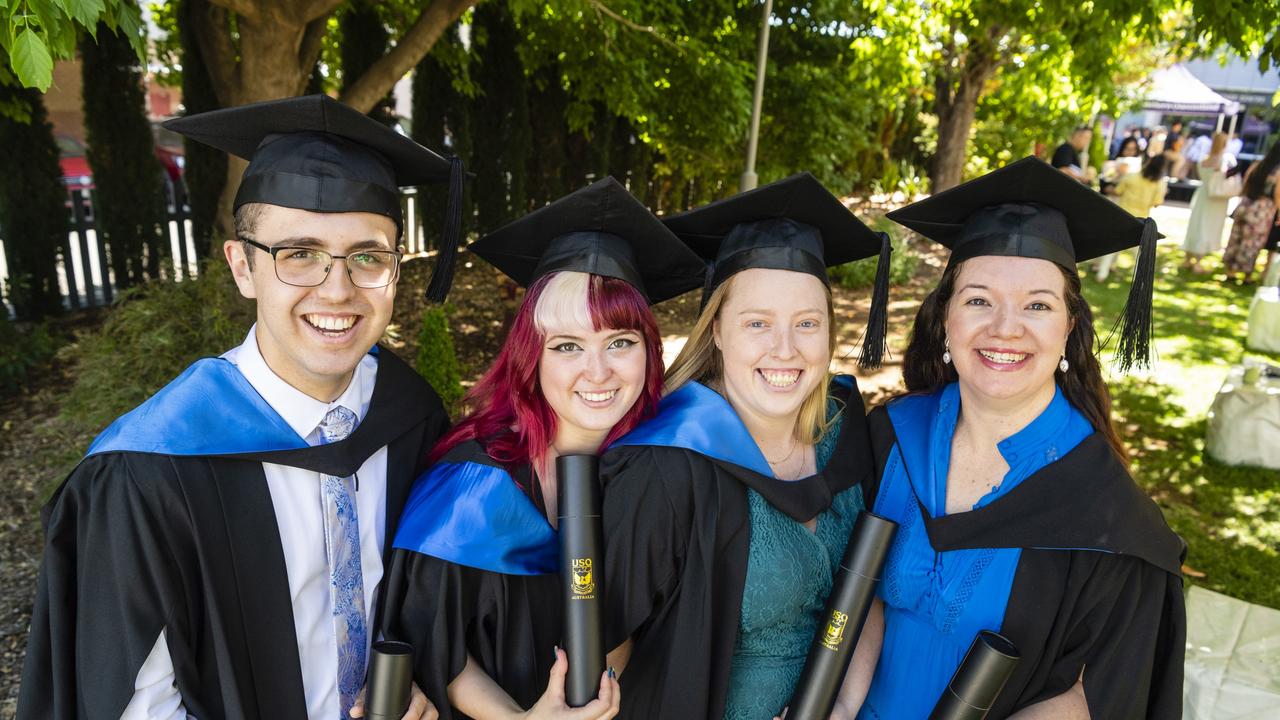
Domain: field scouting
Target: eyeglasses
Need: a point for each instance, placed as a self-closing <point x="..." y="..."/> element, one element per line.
<point x="309" y="267"/>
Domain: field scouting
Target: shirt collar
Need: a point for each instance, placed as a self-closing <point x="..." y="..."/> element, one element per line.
<point x="301" y="411"/>
<point x="1041" y="434"/>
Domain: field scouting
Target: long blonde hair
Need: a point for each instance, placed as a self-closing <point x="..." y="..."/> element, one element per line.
<point x="1216" y="148"/>
<point x="700" y="360"/>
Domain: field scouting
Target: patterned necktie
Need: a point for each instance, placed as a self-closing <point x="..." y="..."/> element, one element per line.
<point x="346" y="581"/>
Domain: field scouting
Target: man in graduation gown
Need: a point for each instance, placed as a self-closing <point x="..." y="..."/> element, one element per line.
<point x="219" y="549"/>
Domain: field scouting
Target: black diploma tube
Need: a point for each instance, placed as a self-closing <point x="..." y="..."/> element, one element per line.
<point x="390" y="678"/>
<point x="841" y="623"/>
<point x="581" y="574"/>
<point x="979" y="679"/>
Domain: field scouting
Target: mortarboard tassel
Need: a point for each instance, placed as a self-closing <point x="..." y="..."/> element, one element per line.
<point x="442" y="276"/>
<point x="873" y="340"/>
<point x="1134" y="347"/>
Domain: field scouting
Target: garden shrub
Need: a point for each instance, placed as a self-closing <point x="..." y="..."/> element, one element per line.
<point x="152" y="334"/>
<point x="437" y="361"/>
<point x="21" y="350"/>
<point x="862" y="273"/>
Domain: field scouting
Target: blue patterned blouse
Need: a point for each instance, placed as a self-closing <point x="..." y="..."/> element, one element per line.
<point x="935" y="603"/>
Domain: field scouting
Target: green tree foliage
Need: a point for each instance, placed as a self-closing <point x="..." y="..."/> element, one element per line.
<point x="128" y="178"/>
<point x="205" y="170"/>
<point x="437" y="361"/>
<point x="21" y="351"/>
<point x="34" y="33"/>
<point x="33" y="214"/>
<point x="155" y="331"/>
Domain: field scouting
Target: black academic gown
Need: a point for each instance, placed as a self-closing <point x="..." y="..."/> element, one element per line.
<point x="677" y="529"/>
<point x="139" y="542"/>
<point x="1098" y="586"/>
<point x="509" y="623"/>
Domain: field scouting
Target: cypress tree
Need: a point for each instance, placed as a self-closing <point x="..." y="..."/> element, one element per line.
<point x="442" y="122"/>
<point x="500" y="119"/>
<point x="205" y="170"/>
<point x="33" y="213"/>
<point x="128" y="177"/>
<point x="364" y="42"/>
<point x="549" y="158"/>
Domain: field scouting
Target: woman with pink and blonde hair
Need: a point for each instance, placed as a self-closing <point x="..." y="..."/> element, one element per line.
<point x="474" y="575"/>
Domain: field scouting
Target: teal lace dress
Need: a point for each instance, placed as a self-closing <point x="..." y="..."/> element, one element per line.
<point x="789" y="571"/>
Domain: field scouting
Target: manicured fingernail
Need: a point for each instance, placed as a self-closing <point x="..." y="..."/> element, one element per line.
<point x="612" y="674"/>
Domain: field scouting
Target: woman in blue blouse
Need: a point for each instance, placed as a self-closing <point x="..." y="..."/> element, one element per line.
<point x="1015" y="508"/>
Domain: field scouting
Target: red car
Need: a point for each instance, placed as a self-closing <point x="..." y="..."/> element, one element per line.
<point x="77" y="175"/>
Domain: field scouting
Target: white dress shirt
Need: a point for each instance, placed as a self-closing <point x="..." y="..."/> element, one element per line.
<point x="296" y="496"/>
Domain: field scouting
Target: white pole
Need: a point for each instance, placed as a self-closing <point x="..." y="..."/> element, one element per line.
<point x="749" y="178"/>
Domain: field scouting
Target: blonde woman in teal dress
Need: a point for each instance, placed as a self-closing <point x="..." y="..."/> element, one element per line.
<point x="726" y="515"/>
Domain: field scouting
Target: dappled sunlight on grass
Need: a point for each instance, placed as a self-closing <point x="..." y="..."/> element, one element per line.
<point x="1229" y="516"/>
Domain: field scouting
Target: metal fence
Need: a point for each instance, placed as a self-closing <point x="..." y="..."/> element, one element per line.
<point x="85" y="277"/>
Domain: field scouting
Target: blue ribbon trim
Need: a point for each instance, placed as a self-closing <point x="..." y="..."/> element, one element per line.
<point x="697" y="418"/>
<point x="208" y="410"/>
<point x="475" y="515"/>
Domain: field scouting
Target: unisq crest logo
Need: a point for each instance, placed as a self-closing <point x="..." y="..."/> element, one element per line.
<point x="834" y="635"/>
<point x="584" y="584"/>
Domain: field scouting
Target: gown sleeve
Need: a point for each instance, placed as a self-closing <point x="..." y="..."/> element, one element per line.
<point x="109" y="583"/>
<point x="431" y="606"/>
<point x="646" y="532"/>
<point x="1137" y="637"/>
<point x="1128" y="634"/>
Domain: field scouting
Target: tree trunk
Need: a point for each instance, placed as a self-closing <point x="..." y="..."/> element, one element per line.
<point x="277" y="47"/>
<point x="956" y="104"/>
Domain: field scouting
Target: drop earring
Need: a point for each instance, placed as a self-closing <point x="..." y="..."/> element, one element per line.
<point x="946" y="351"/>
<point x="1063" y="365"/>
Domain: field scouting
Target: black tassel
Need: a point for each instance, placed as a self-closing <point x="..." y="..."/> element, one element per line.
<point x="707" y="277"/>
<point x="442" y="276"/>
<point x="1134" y="346"/>
<point x="873" y="340"/>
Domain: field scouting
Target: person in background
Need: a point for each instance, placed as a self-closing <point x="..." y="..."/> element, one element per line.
<point x="1175" y="164"/>
<point x="1254" y="217"/>
<point x="1128" y="161"/>
<point x="1138" y="193"/>
<point x="1067" y="156"/>
<point x="1209" y="204"/>
<point x="1195" y="151"/>
<point x="1128" y="148"/>
<point x="1175" y="132"/>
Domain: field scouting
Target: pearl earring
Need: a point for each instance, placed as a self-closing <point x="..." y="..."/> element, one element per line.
<point x="1064" y="365"/>
<point x="946" y="351"/>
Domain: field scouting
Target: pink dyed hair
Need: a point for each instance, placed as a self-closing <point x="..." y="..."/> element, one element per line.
<point x="508" y="396"/>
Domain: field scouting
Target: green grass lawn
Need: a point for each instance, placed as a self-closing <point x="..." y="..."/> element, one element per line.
<point x="1229" y="516"/>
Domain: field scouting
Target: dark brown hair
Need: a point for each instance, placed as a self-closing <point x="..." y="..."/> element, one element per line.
<point x="1082" y="384"/>
<point x="1256" y="184"/>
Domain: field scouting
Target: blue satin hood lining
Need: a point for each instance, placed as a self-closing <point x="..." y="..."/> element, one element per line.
<point x="697" y="418"/>
<point x="208" y="410"/>
<point x="475" y="515"/>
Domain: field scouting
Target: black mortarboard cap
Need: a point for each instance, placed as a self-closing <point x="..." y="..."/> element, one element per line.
<point x="792" y="224"/>
<point x="1029" y="209"/>
<point x="315" y="153"/>
<point x="600" y="229"/>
